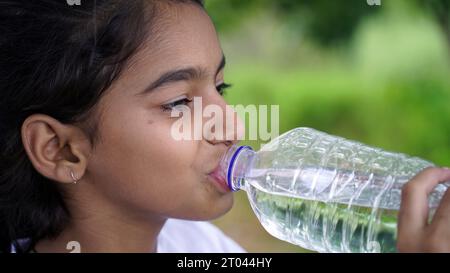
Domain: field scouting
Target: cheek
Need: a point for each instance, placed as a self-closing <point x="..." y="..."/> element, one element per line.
<point x="141" y="167"/>
<point x="140" y="158"/>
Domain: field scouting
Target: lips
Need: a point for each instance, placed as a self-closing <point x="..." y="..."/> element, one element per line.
<point x="217" y="176"/>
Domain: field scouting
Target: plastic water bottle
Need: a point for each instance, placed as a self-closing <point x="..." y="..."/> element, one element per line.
<point x="323" y="192"/>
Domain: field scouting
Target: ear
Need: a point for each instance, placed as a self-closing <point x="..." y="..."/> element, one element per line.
<point x="55" y="149"/>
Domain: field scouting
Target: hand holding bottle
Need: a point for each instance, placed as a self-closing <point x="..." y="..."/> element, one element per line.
<point x="415" y="233"/>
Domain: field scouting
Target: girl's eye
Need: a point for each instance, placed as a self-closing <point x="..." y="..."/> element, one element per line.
<point x="169" y="106"/>
<point x="222" y="87"/>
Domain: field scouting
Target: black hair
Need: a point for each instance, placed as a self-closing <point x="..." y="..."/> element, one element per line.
<point x="55" y="59"/>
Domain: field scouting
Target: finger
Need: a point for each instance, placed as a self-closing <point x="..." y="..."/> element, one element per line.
<point x="413" y="214"/>
<point x="442" y="215"/>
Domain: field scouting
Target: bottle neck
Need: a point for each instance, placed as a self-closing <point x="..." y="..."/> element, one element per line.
<point x="235" y="164"/>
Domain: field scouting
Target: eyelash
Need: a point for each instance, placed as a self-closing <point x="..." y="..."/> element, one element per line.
<point x="221" y="88"/>
<point x="169" y="106"/>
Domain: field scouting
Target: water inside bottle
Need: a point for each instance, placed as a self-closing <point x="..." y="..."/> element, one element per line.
<point x="309" y="220"/>
<point x="305" y="223"/>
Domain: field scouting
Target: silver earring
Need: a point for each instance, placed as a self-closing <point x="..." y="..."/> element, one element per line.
<point x="75" y="180"/>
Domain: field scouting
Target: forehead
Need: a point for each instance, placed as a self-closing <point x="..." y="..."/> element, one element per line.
<point x="181" y="35"/>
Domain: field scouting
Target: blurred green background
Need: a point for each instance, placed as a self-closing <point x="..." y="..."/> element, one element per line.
<point x="376" y="74"/>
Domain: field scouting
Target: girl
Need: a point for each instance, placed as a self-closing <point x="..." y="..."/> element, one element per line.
<point x="86" y="148"/>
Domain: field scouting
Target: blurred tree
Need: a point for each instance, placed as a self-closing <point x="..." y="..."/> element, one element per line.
<point x="441" y="11"/>
<point x="325" y="21"/>
<point x="229" y="14"/>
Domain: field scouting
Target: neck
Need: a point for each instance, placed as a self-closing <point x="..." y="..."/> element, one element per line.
<point x="100" y="236"/>
<point x="105" y="230"/>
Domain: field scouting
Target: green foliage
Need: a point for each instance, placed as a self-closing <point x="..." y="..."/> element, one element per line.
<point x="326" y="22"/>
<point x="387" y="85"/>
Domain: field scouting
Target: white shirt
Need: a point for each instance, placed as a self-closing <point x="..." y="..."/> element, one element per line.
<point x="182" y="236"/>
<point x="197" y="237"/>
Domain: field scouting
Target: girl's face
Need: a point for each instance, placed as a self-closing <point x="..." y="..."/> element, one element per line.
<point x="138" y="165"/>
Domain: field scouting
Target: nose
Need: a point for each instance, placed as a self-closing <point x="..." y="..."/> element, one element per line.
<point x="227" y="127"/>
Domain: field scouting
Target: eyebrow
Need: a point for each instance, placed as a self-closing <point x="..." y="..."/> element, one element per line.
<point x="183" y="74"/>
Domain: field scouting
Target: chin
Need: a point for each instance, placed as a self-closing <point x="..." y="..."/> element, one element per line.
<point x="222" y="206"/>
<point x="213" y="209"/>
